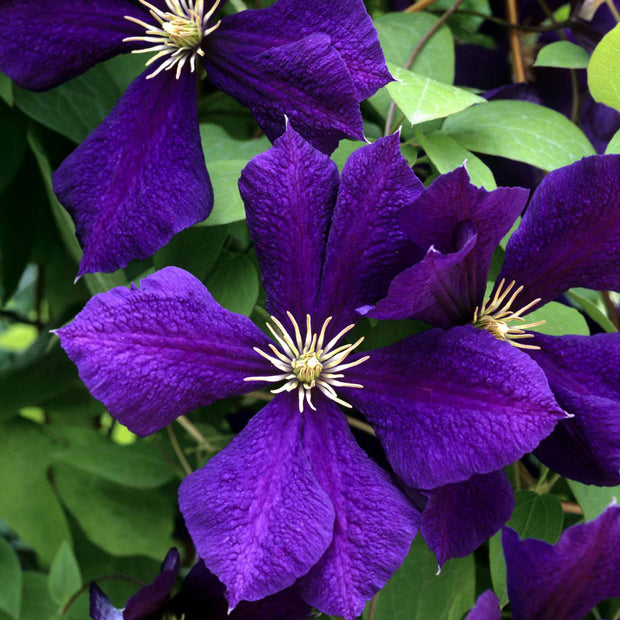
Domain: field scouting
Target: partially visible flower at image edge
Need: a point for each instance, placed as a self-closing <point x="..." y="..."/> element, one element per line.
<point x="140" y="177"/>
<point x="293" y="499"/>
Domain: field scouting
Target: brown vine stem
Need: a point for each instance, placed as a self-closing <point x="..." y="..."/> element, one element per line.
<point x="613" y="9"/>
<point x="177" y="450"/>
<point x="518" y="65"/>
<point x="202" y="441"/>
<point x="85" y="587"/>
<point x="419" y="6"/>
<point x="362" y="426"/>
<point x="612" y="313"/>
<point x="414" y="54"/>
<point x="572" y="508"/>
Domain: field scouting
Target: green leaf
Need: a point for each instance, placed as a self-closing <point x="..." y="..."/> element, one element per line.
<point x="27" y="500"/>
<point x="560" y="320"/>
<point x="121" y="520"/>
<point x="447" y="155"/>
<point x="235" y="285"/>
<point x="218" y="145"/>
<point x="11" y="580"/>
<point x="64" y="579"/>
<point x="416" y="592"/>
<point x="521" y="131"/>
<point x="37" y="602"/>
<point x="613" y="148"/>
<point x="6" y="89"/>
<point x="534" y="516"/>
<point x="423" y="99"/>
<point x="604" y="70"/>
<point x="72" y="109"/>
<point x="228" y="206"/>
<point x="138" y="465"/>
<point x="563" y="54"/>
<point x="592" y="499"/>
<point x="399" y="33"/>
<point x="344" y="150"/>
<point x="592" y="310"/>
<point x="96" y="282"/>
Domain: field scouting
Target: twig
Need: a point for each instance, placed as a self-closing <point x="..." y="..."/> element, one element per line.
<point x="612" y="313"/>
<point x="515" y="42"/>
<point x="373" y="604"/>
<point x="414" y="54"/>
<point x="572" y="508"/>
<point x="502" y="22"/>
<point x="177" y="449"/>
<point x="613" y="9"/>
<point x="362" y="426"/>
<point x="419" y="6"/>
<point x="203" y="442"/>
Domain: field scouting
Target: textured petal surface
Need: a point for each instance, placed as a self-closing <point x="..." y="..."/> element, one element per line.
<point x="487" y="607"/>
<point x="375" y="522"/>
<point x="140" y="177"/>
<point x="365" y="248"/>
<point x="154" y="353"/>
<point x="570" y="234"/>
<point x="289" y="194"/>
<point x="255" y="511"/>
<point x="584" y="375"/>
<point x="346" y="22"/>
<point x="568" y="579"/>
<point x="436" y="289"/>
<point x="461" y="516"/>
<point x="43" y="44"/>
<point x="152" y="598"/>
<point x="306" y="80"/>
<point x="450" y="404"/>
<point x="100" y="606"/>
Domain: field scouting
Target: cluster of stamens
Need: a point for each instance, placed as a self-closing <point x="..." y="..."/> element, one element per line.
<point x="309" y="363"/>
<point x="178" y="34"/>
<point x="495" y="314"/>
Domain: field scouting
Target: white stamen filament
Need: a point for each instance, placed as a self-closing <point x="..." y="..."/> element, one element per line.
<point x="495" y="314"/>
<point x="304" y="361"/>
<point x="178" y="33"/>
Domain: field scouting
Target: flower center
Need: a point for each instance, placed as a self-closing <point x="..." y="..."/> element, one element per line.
<point x="495" y="314"/>
<point x="309" y="363"/>
<point x="178" y="34"/>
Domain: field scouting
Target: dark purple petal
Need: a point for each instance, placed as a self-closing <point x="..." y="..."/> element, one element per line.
<point x="139" y="178"/>
<point x="487" y="607"/>
<point x="152" y="598"/>
<point x="450" y="404"/>
<point x="202" y="592"/>
<point x="289" y="194"/>
<point x="438" y="218"/>
<point x="43" y="44"/>
<point x="100" y="606"/>
<point x="306" y="80"/>
<point x="570" y="234"/>
<point x="255" y="511"/>
<point x="459" y="517"/>
<point x="566" y="580"/>
<point x="375" y="522"/>
<point x="584" y="375"/>
<point x="365" y="248"/>
<point x="346" y="22"/>
<point x="436" y="289"/>
<point x="154" y="353"/>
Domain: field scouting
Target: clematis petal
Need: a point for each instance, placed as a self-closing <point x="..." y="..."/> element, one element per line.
<point x="434" y="290"/>
<point x="255" y="511"/>
<point x="467" y="402"/>
<point x="487" y="607"/>
<point x="570" y="234"/>
<point x="584" y="375"/>
<point x="100" y="606"/>
<point x="289" y="194"/>
<point x="306" y="80"/>
<point x="154" y="353"/>
<point x="375" y="522"/>
<point x="365" y="249"/>
<point x="139" y="178"/>
<point x="459" y="517"/>
<point x="45" y="44"/>
<point x="151" y="599"/>
<point x="568" y="579"/>
<point x="346" y="22"/>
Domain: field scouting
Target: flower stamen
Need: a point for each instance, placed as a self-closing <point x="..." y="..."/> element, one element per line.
<point x="304" y="361"/>
<point x="495" y="314"/>
<point x="178" y="33"/>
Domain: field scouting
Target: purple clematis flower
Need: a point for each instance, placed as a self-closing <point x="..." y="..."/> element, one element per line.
<point x="201" y="596"/>
<point x="140" y="177"/>
<point x="293" y="499"/>
<point x="569" y="236"/>
<point x="565" y="580"/>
